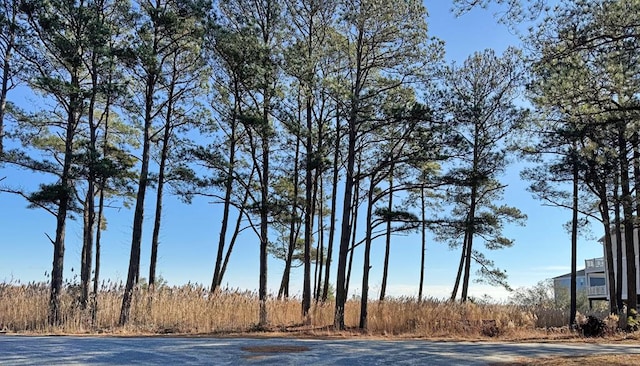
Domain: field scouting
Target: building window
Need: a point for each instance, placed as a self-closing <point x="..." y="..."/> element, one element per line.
<point x="597" y="281"/>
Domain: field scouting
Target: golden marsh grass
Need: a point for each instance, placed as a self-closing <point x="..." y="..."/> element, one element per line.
<point x="192" y="310"/>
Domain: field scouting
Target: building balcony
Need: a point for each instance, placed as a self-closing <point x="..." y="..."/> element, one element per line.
<point x="597" y="291"/>
<point x="594" y="265"/>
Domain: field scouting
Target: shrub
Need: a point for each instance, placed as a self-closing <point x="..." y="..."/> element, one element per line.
<point x="490" y="328"/>
<point x="593" y="327"/>
<point x="612" y="322"/>
<point x="633" y="321"/>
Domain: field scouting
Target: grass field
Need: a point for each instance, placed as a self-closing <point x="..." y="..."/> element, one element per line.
<point x="609" y="360"/>
<point x="192" y="310"/>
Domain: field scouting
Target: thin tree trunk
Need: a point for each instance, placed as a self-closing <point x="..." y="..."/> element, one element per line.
<point x="574" y="241"/>
<point x="217" y="272"/>
<point x="364" y="299"/>
<point x="90" y="215"/>
<point x="228" y="190"/>
<point x="631" y="251"/>
<point x="320" y="251"/>
<point x="350" y="180"/>
<point x="354" y="227"/>
<point x="599" y="187"/>
<point x="628" y="220"/>
<point x="606" y="221"/>
<point x="317" y="272"/>
<point x="332" y="218"/>
<point x="155" y="237"/>
<point x="423" y="237"/>
<point x="96" y="272"/>
<point x="138" y="217"/>
<point x="164" y="156"/>
<point x="463" y="254"/>
<point x="55" y="316"/>
<point x="469" y="247"/>
<point x="345" y="231"/>
<point x="264" y="232"/>
<point x="264" y="211"/>
<point x="293" y="231"/>
<point x="6" y="69"/>
<point x="86" y="257"/>
<point x="387" y="250"/>
<point x="234" y="237"/>
<point x="308" y="217"/>
<point x="318" y="184"/>
<point x="618" y="232"/>
<point x="100" y="217"/>
<point x="314" y="201"/>
<point x="471" y="219"/>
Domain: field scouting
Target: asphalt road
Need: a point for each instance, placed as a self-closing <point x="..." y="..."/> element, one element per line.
<point x="26" y="350"/>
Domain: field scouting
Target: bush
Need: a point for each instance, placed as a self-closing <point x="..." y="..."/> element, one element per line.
<point x="591" y="326"/>
<point x="490" y="328"/>
<point x="612" y="322"/>
<point x="633" y="321"/>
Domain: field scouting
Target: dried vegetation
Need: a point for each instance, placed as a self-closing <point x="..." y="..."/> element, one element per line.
<point x="192" y="310"/>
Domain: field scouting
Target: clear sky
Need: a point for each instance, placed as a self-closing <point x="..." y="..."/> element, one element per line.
<point x="189" y="235"/>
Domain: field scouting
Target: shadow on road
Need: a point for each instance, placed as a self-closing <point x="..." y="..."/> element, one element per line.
<point x="24" y="350"/>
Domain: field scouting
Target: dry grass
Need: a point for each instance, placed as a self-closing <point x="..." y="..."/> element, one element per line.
<point x="191" y="310"/>
<point x="609" y="360"/>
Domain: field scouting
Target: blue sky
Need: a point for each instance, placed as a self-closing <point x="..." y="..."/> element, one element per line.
<point x="189" y="236"/>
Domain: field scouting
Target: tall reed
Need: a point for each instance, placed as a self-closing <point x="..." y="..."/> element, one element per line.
<point x="191" y="309"/>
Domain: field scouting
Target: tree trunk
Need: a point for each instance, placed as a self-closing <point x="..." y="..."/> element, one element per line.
<point x="332" y="216"/>
<point x="89" y="214"/>
<point x="101" y="205"/>
<point x="574" y="240"/>
<point x="308" y="216"/>
<point x="354" y="228"/>
<point x="631" y="251"/>
<point x="387" y="250"/>
<point x="423" y="237"/>
<point x="96" y="272"/>
<point x="345" y="231"/>
<point x="217" y="272"/>
<point x="314" y="208"/>
<point x="364" y="299"/>
<point x="165" y="141"/>
<point x="470" y="228"/>
<point x="350" y="180"/>
<point x="100" y="217"/>
<point x="228" y="189"/>
<point x="155" y="237"/>
<point x="606" y="221"/>
<point x="6" y="69"/>
<point x="628" y="220"/>
<point x="463" y="254"/>
<point x="86" y="257"/>
<point x="618" y="232"/>
<point x="264" y="212"/>
<point x="320" y="251"/>
<point x="471" y="222"/>
<point x="138" y="216"/>
<point x="234" y="237"/>
<point x="75" y="103"/>
<point x="293" y="227"/>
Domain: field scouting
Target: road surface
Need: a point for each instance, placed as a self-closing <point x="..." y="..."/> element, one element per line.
<point x="66" y="350"/>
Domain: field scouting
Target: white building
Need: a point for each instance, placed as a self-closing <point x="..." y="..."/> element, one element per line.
<point x="595" y="271"/>
<point x="624" y="262"/>
<point x="590" y="280"/>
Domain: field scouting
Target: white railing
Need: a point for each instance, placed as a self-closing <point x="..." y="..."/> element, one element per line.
<point x="597" y="290"/>
<point x="594" y="263"/>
